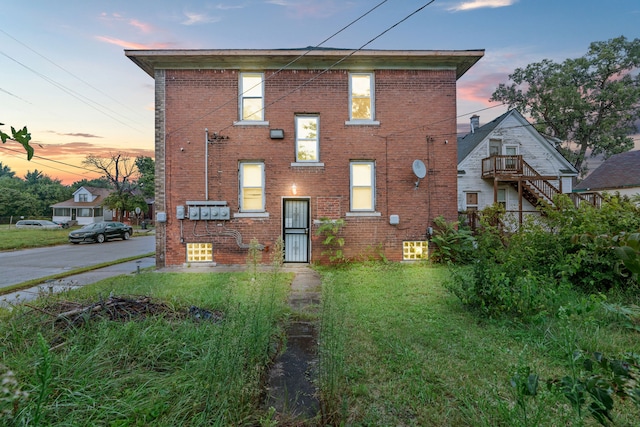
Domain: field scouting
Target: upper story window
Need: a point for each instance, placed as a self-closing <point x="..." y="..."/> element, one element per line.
<point x="83" y="197"/>
<point x="251" y="186"/>
<point x="307" y="139"/>
<point x="251" y="96"/>
<point x="363" y="175"/>
<point x="361" y="96"/>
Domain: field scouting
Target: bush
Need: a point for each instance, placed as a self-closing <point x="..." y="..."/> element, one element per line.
<point x="526" y="273"/>
<point x="451" y="243"/>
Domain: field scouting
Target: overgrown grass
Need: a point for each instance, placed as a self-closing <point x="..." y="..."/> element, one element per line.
<point x="20" y="238"/>
<point x="400" y="350"/>
<point x="159" y="371"/>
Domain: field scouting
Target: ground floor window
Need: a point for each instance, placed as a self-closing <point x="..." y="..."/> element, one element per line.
<point x="61" y="211"/>
<point x="472" y="201"/>
<point x="416" y="249"/>
<point x="199" y="252"/>
<point x="84" y="212"/>
<point x="362" y="186"/>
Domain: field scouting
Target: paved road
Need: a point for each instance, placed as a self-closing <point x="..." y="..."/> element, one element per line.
<point x="21" y="266"/>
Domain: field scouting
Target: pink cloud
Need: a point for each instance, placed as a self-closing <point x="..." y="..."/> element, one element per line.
<point x="480" y="89"/>
<point x="145" y="28"/>
<point x="132" y="45"/>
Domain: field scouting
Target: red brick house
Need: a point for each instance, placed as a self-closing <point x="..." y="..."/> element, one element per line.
<point x="258" y="144"/>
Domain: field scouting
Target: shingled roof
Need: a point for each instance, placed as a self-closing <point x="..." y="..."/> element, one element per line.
<point x="617" y="172"/>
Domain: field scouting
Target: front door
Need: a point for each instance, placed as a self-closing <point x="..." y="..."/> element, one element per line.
<point x="296" y="230"/>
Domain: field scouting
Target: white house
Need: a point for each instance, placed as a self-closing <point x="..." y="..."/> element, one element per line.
<point x="85" y="207"/>
<point x="507" y="161"/>
<point x="618" y="174"/>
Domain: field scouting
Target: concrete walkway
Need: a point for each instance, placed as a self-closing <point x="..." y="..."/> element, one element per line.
<point x="291" y="389"/>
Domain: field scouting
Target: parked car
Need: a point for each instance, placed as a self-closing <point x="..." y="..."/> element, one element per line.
<point x="101" y="232"/>
<point x="39" y="224"/>
<point x="62" y="224"/>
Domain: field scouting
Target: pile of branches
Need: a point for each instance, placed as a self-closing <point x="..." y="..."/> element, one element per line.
<point x="116" y="308"/>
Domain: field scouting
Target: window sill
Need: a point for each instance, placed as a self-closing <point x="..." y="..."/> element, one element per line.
<point x="363" y="214"/>
<point x="362" y="123"/>
<point x="307" y="164"/>
<point x="251" y="215"/>
<point x="251" y="123"/>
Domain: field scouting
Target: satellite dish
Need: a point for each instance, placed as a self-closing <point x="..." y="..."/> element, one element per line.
<point x="419" y="169"/>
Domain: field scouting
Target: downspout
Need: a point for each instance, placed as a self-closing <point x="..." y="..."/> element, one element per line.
<point x="206" y="164"/>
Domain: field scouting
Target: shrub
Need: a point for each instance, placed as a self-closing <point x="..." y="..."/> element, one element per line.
<point x="451" y="243"/>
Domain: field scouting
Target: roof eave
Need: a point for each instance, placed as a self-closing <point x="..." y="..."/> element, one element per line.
<point x="150" y="60"/>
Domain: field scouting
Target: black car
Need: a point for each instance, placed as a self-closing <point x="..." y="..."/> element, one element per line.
<point x="101" y="232"/>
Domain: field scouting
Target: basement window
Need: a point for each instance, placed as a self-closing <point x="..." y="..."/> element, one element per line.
<point x="199" y="252"/>
<point x="415" y="250"/>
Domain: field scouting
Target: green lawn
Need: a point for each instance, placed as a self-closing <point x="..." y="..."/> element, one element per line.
<point x="396" y="349"/>
<point x="12" y="238"/>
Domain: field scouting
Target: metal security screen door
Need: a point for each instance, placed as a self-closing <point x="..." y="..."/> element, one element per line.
<point x="296" y="230"/>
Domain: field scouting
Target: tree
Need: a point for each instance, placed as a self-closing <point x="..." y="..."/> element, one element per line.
<point x="46" y="190"/>
<point x="588" y="104"/>
<point x="22" y="136"/>
<point x="121" y="172"/>
<point x="147" y="170"/>
<point x="5" y="170"/>
<point x="97" y="183"/>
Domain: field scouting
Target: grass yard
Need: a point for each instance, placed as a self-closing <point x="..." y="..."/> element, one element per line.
<point x="398" y="350"/>
<point x="12" y="238"/>
<point x="395" y="349"/>
<point x="164" y="370"/>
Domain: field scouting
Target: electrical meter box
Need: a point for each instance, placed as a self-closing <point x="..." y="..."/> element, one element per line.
<point x="215" y="212"/>
<point x="224" y="212"/>
<point x="161" y="216"/>
<point x="205" y="213"/>
<point x="180" y="212"/>
<point x="194" y="212"/>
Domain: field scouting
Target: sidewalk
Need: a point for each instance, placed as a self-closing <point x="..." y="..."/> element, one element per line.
<point x="75" y="281"/>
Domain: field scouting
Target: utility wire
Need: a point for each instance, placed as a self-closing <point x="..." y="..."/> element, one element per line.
<point x="72" y="75"/>
<point x="282" y="68"/>
<point x="71" y="92"/>
<point x="342" y="59"/>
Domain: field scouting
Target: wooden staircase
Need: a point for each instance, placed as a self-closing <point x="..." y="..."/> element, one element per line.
<point x="536" y="188"/>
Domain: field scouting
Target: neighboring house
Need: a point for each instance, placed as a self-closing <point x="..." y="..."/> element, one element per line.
<point x="262" y="144"/>
<point x="618" y="174"/>
<point x="507" y="161"/>
<point x="84" y="208"/>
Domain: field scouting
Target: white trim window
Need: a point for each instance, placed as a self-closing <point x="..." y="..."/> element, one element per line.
<point x="251" y="97"/>
<point x="361" y="97"/>
<point x="362" y="182"/>
<point x="471" y="201"/>
<point x="501" y="196"/>
<point x="251" y="186"/>
<point x="307" y="138"/>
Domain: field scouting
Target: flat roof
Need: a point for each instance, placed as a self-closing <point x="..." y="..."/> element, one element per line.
<point x="305" y="59"/>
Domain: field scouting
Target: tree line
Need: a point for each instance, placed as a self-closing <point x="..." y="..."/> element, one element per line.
<point x="131" y="182"/>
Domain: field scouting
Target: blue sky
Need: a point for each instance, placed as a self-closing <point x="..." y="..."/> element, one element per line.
<point x="63" y="72"/>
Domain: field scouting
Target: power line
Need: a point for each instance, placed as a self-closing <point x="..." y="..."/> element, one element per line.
<point x="342" y="59"/>
<point x="282" y="68"/>
<point x="50" y="160"/>
<point x="71" y="92"/>
<point x="71" y="74"/>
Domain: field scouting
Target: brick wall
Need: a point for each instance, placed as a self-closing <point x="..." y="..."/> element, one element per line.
<point x="416" y="111"/>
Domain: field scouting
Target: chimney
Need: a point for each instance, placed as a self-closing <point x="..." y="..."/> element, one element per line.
<point x="475" y="123"/>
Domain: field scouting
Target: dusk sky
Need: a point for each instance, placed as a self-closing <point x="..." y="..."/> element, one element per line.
<point x="64" y="75"/>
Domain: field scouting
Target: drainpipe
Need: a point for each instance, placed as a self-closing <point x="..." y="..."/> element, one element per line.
<point x="206" y="164"/>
